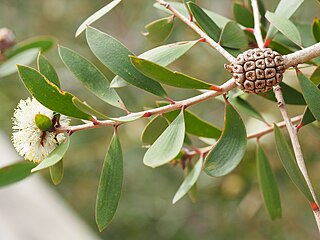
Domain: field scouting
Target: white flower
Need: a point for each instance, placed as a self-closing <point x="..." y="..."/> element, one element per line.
<point x="29" y="141"/>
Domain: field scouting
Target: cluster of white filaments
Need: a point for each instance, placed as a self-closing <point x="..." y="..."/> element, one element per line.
<point x="29" y="141"/>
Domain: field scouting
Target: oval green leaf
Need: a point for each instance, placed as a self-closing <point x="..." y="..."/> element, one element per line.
<point x="205" y="22"/>
<point x="96" y="16"/>
<point x="48" y="94"/>
<point x="158" y="31"/>
<point x="110" y="184"/>
<point x="194" y="124"/>
<point x="233" y="37"/>
<point x="316" y="29"/>
<point x="44" y="43"/>
<point x="166" y="76"/>
<point x="43" y="122"/>
<point x="311" y="94"/>
<point x="114" y="55"/>
<point x="46" y="69"/>
<point x="189" y="181"/>
<point x="91" y="77"/>
<point x="168" y="145"/>
<point x="245" y="107"/>
<point x="268" y="185"/>
<point x="229" y="150"/>
<point x="285" y="9"/>
<point x="10" y="66"/>
<point x="15" y="172"/>
<point x="285" y="26"/>
<point x="162" y="55"/>
<point x="243" y="15"/>
<point x="290" y="165"/>
<point x="55" y="156"/>
<point x="56" y="172"/>
<point x="153" y="130"/>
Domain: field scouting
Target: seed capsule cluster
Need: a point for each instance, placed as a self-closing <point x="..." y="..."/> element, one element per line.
<point x="257" y="70"/>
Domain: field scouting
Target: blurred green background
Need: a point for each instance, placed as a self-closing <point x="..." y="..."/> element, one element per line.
<point x="227" y="208"/>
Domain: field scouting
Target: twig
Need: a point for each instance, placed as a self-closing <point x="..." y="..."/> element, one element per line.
<point x="257" y="30"/>
<point x="293" y="133"/>
<point x="302" y="56"/>
<point x="227" y="86"/>
<point x="202" y="34"/>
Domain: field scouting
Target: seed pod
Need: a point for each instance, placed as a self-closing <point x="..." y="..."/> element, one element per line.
<point x="257" y="70"/>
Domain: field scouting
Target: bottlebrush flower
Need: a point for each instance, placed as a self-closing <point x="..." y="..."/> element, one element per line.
<point x="29" y="141"/>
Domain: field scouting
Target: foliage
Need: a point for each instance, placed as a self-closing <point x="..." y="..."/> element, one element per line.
<point x="173" y="134"/>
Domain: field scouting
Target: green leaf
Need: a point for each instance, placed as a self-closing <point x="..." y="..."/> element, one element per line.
<point x="284" y="9"/>
<point x="186" y="1"/>
<point x="280" y="47"/>
<point x="43" y="122"/>
<point x="247" y="108"/>
<point x="189" y="181"/>
<point x="285" y="26"/>
<point x="194" y="125"/>
<point x="46" y="69"/>
<point x="233" y="37"/>
<point x="110" y="185"/>
<point x="96" y="16"/>
<point x="316" y="29"/>
<point x="243" y="15"/>
<point x="315" y="77"/>
<point x="118" y="82"/>
<point x="91" y="77"/>
<point x="311" y="94"/>
<point x="55" y="156"/>
<point x="56" y="172"/>
<point x="10" y="66"/>
<point x="163" y="55"/>
<point x="158" y="31"/>
<point x="114" y="55"/>
<point x="153" y="129"/>
<point x="180" y="7"/>
<point x="305" y="31"/>
<point x="289" y="162"/>
<point x="166" y="76"/>
<point x="205" y="22"/>
<point x="168" y="145"/>
<point x="307" y="117"/>
<point x="229" y="150"/>
<point x="268" y="185"/>
<point x="86" y="108"/>
<point x="15" y="172"/>
<point x="44" y="43"/>
<point x="291" y="95"/>
<point x="167" y="54"/>
<point x="49" y="94"/>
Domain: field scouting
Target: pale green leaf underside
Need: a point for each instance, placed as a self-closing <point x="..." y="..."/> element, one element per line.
<point x="285" y="26"/>
<point x="189" y="181"/>
<point x="168" y="145"/>
<point x="55" y="156"/>
<point x="162" y="55"/>
<point x="286" y="9"/>
<point x="97" y="15"/>
<point x="24" y="58"/>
